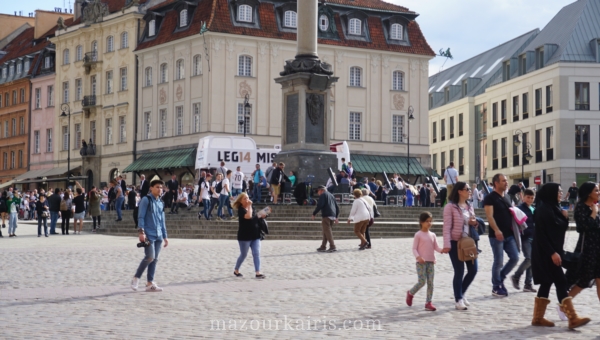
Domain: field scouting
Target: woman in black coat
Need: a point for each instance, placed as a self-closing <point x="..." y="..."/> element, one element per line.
<point x="551" y="224"/>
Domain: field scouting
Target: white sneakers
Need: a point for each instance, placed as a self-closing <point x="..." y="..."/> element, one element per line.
<point x="460" y="305"/>
<point x="151" y="288"/>
<point x="134" y="283"/>
<point x="465" y="301"/>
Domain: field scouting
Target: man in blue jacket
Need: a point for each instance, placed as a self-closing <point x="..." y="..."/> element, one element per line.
<point x="153" y="230"/>
<point x="330" y="212"/>
<point x="526" y="241"/>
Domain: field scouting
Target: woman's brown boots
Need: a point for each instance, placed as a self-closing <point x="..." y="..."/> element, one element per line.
<point x="539" y="309"/>
<point x="567" y="308"/>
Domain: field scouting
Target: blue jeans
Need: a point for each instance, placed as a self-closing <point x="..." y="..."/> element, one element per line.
<point x="40" y="221"/>
<point x="244" y="245"/>
<point x="12" y="222"/>
<point x="526" y="264"/>
<point x="235" y="192"/>
<point x="224" y="201"/>
<point x="461" y="282"/>
<point x="499" y="272"/>
<point x="206" y="210"/>
<point x="119" y="206"/>
<point x="256" y="192"/>
<point x="149" y="260"/>
<point x="53" y="219"/>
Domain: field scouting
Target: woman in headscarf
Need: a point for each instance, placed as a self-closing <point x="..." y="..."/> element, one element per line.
<point x="551" y="224"/>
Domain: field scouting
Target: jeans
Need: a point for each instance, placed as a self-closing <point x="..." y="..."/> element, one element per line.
<point x="461" y="282"/>
<point x="235" y="192"/>
<point x="526" y="264"/>
<point x="256" y="193"/>
<point x="509" y="246"/>
<point x="12" y="222"/>
<point x="214" y="202"/>
<point x="53" y="219"/>
<point x="206" y="209"/>
<point x="224" y="201"/>
<point x="244" y="245"/>
<point x="94" y="219"/>
<point x="149" y="260"/>
<point x="40" y="221"/>
<point x="66" y="215"/>
<point x="119" y="206"/>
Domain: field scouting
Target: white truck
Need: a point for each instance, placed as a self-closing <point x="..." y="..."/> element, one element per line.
<point x="242" y="151"/>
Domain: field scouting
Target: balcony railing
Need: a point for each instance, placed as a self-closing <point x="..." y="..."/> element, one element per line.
<point x="88" y="101"/>
<point x="90" y="57"/>
<point x="88" y="149"/>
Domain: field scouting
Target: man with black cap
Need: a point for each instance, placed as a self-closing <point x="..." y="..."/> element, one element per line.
<point x="329" y="213"/>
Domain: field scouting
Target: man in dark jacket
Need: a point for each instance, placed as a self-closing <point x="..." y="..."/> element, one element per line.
<point x="424" y="195"/>
<point x="54" y="207"/>
<point x="173" y="186"/>
<point x="277" y="177"/>
<point x="144" y="186"/>
<point x="526" y="242"/>
<point x="330" y="212"/>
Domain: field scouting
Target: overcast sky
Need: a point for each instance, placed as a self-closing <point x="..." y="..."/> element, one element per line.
<point x="467" y="27"/>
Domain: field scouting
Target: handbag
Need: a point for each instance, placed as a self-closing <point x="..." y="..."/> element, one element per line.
<point x="571" y="260"/>
<point x="371" y="220"/>
<point x="467" y="248"/>
<point x="45" y="214"/>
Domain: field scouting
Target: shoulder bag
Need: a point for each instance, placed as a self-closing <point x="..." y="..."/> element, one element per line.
<point x="467" y="248"/>
<point x="371" y="220"/>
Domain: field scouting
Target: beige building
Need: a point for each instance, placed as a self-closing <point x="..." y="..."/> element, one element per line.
<point x="193" y="85"/>
<point x="526" y="106"/>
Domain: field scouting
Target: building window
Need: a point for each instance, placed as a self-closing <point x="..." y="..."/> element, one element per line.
<point x="355" y="76"/>
<point x="397" y="129"/>
<point x="38" y="98"/>
<point x="14" y="97"/>
<point x="451" y="156"/>
<point x="148" y="73"/>
<point x="443" y="161"/>
<point x="78" y="89"/>
<point x="525" y="105"/>
<point x="179" y="69"/>
<point x="4" y="72"/>
<point x="539" y="58"/>
<point x="434" y="132"/>
<point x="289" y="19"/>
<point x="434" y="162"/>
<point x="398" y="80"/>
<point x="109" y="135"/>
<point x="245" y="13"/>
<point x="522" y="65"/>
<point x="323" y="23"/>
<point x="14" y="127"/>
<point x="22" y="97"/>
<point x="11" y="71"/>
<point x="538" y="102"/>
<point x="93" y="131"/>
<point x="503" y="112"/>
<point x="110" y="43"/>
<point x="26" y="65"/>
<point x="355" y="126"/>
<point x="5" y="161"/>
<point x="495" y="154"/>
<point x="548" y="98"/>
<point x="538" y="146"/>
<point x="446" y="95"/>
<point x="354" y="26"/>
<point x="164" y="76"/>
<point x="65" y="133"/>
<point x="109" y="82"/>
<point x="183" y="18"/>
<point x="582" y="141"/>
<point x="460" y="124"/>
<point x="36" y="142"/>
<point x="6" y="134"/>
<point x="147" y="122"/>
<point x="77" y="140"/>
<point x="124" y="40"/>
<point x="123" y="73"/>
<point x="506" y="71"/>
<point x="66" y="57"/>
<point x="163" y="122"/>
<point x="49" y="145"/>
<point x="66" y="92"/>
<point x="515" y="150"/>
<point x="78" y="53"/>
<point x="515" y="109"/>
<point x="245" y="66"/>
<point x="549" y="144"/>
<point x="196" y="117"/>
<point x="152" y="28"/>
<point x="179" y="120"/>
<point x="244" y="116"/>
<point x="396" y="32"/>
<point x="451" y="127"/>
<point x="0" y="99"/>
<point x="461" y="161"/>
<point x="122" y="130"/>
<point x="12" y="159"/>
<point x="50" y="95"/>
<point x="20" y="158"/>
<point x="95" y="50"/>
<point x="524" y="146"/>
<point x="21" y="125"/>
<point x="443" y="130"/>
<point x="19" y="67"/>
<point x="47" y="62"/>
<point x="93" y="85"/>
<point x="504" y="146"/>
<point x="197" y="65"/>
<point x="465" y="88"/>
<point x="582" y="96"/>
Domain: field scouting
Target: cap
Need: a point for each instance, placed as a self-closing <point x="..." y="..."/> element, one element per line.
<point x="321" y="187"/>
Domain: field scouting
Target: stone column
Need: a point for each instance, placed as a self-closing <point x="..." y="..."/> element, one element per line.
<point x="307" y="29"/>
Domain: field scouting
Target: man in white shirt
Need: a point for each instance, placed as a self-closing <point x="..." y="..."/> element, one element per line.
<point x="205" y="197"/>
<point x="214" y="199"/>
<point x="237" y="182"/>
<point x="451" y="177"/>
<point x="182" y="199"/>
<point x="224" y="197"/>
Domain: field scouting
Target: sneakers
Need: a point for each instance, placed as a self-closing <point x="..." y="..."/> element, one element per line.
<point x="234" y="218"/>
<point x="322" y="250"/>
<point x="430" y="307"/>
<point x="134" y="283"/>
<point x="331" y="250"/>
<point x="499" y="291"/>
<point x="409" y="299"/>
<point x="515" y="281"/>
<point x="460" y="305"/>
<point x="465" y="301"/>
<point x="529" y="288"/>
<point x="153" y="288"/>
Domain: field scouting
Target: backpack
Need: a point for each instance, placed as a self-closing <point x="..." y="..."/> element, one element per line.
<point x="112" y="194"/>
<point x="63" y="205"/>
<point x="219" y="187"/>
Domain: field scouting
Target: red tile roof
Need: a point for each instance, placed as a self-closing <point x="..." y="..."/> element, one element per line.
<point x="217" y="14"/>
<point x="23" y="45"/>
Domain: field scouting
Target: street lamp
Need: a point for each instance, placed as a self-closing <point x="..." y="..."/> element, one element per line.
<point x="410" y="118"/>
<point x="66" y="112"/>
<point x="526" y="154"/>
<point x="246" y="112"/>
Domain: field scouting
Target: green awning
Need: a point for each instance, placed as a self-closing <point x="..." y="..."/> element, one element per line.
<point x="390" y="164"/>
<point x="164" y="160"/>
<point x="435" y="174"/>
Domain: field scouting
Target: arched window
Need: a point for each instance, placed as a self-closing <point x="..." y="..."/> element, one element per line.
<point x="289" y="19"/>
<point x="163" y="73"/>
<point x="78" y="53"/>
<point x="354" y="26"/>
<point x="197" y="64"/>
<point x="152" y="28"/>
<point x="94" y="50"/>
<point x="323" y="22"/>
<point x="148" y="74"/>
<point x="124" y="40"/>
<point x="245" y="13"/>
<point x="396" y="32"/>
<point x="355" y="76"/>
<point x="110" y="43"/>
<point x="66" y="56"/>
<point x="180" y="69"/>
<point x="245" y="66"/>
<point x="183" y="18"/>
<point x="398" y="80"/>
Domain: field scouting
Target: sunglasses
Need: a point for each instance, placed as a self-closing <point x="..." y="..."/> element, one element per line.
<point x="467" y="189"/>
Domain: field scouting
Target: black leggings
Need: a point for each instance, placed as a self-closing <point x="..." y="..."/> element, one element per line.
<point x="561" y="288"/>
<point x="65" y="216"/>
<point x="94" y="219"/>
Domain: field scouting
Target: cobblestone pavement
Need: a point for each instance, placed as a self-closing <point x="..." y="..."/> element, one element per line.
<point x="77" y="287"/>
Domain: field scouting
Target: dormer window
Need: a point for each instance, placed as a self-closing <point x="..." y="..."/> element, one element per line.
<point x="290" y="19"/>
<point x="47" y="62"/>
<point x="323" y="22"/>
<point x="354" y="26"/>
<point x="397" y="32"/>
<point x="245" y="13"/>
<point x="539" y="58"/>
<point x="11" y="70"/>
<point x="183" y="18"/>
<point x="19" y="67"/>
<point x="4" y="72"/>
<point x="152" y="28"/>
<point x="26" y="65"/>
